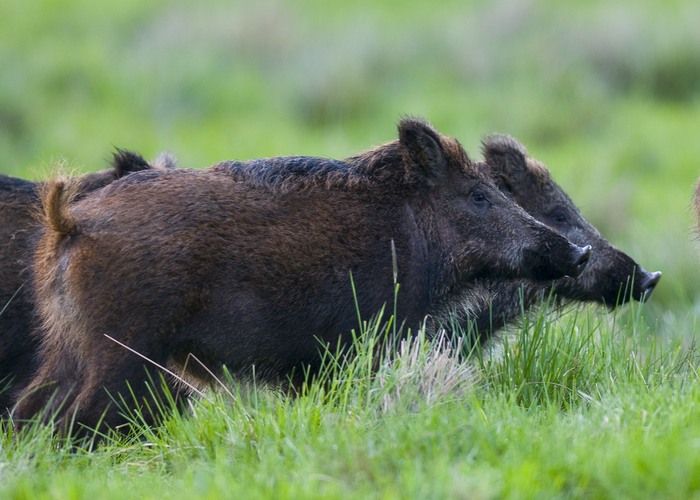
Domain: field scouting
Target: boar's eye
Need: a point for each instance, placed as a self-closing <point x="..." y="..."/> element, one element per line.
<point x="559" y="217"/>
<point x="479" y="199"/>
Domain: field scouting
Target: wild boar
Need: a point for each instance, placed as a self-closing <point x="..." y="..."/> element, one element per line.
<point x="19" y="204"/>
<point x="611" y="277"/>
<point x="250" y="265"/>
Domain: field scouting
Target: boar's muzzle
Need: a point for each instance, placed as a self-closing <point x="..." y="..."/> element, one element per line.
<point x="565" y="259"/>
<point x="645" y="284"/>
<point x="581" y="262"/>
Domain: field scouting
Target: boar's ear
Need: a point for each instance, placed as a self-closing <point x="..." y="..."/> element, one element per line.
<point x="422" y="146"/>
<point x="164" y="161"/>
<point x="506" y="159"/>
<point x="125" y="162"/>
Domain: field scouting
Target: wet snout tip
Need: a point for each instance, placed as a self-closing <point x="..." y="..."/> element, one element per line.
<point x="581" y="261"/>
<point x="649" y="284"/>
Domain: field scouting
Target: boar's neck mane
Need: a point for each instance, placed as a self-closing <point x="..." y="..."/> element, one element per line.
<point x="282" y="174"/>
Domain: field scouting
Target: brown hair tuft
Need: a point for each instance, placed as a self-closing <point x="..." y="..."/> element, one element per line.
<point x="56" y="196"/>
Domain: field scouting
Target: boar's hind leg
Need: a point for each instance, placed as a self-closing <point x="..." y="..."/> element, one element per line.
<point x="49" y="392"/>
<point x="126" y="390"/>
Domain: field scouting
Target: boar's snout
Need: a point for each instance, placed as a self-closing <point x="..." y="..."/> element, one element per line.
<point x="581" y="262"/>
<point x="647" y="282"/>
<point x="559" y="260"/>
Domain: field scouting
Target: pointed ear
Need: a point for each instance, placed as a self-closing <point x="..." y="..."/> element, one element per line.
<point x="422" y="148"/>
<point x="164" y="161"/>
<point x="506" y="159"/>
<point x="125" y="162"/>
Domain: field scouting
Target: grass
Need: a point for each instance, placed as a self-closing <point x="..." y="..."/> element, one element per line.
<point x="586" y="405"/>
<point x="569" y="407"/>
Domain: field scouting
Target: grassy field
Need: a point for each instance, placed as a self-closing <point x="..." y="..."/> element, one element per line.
<point x="590" y="404"/>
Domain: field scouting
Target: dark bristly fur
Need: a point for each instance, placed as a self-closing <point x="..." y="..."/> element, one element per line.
<point x="248" y="265"/>
<point x="19" y="227"/>
<point x="18" y="200"/>
<point x="611" y="277"/>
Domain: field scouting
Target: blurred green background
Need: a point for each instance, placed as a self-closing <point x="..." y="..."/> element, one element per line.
<point x="606" y="94"/>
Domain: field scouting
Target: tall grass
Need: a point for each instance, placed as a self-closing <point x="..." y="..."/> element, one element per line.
<point x="569" y="406"/>
<point x="581" y="358"/>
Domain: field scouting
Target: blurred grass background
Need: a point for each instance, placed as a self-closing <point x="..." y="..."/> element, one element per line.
<point x="607" y="95"/>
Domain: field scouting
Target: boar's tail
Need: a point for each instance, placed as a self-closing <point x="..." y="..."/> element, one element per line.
<point x="56" y="198"/>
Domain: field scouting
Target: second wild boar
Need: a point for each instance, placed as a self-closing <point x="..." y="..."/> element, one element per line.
<point x="611" y="277"/>
<point x="19" y="205"/>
